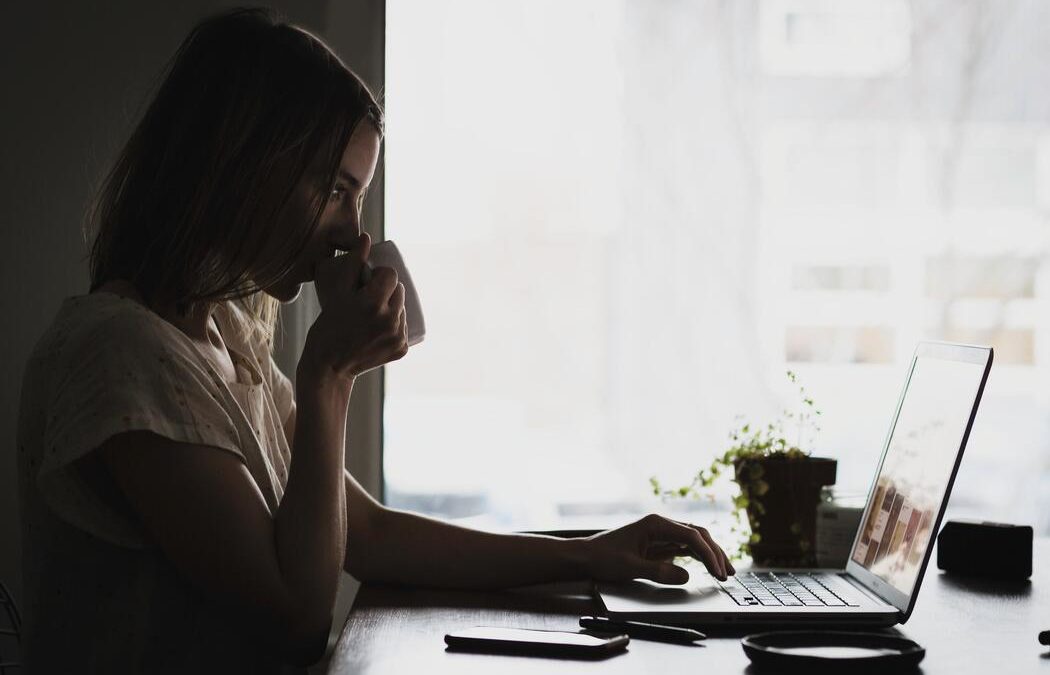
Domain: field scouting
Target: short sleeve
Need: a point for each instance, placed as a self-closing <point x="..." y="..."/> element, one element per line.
<point x="127" y="373"/>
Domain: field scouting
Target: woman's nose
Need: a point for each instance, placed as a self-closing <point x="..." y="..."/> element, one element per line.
<point x="347" y="231"/>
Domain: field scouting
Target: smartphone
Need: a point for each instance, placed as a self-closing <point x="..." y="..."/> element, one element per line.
<point x="528" y="642"/>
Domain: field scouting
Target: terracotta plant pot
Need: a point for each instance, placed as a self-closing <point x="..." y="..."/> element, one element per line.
<point x="785" y="514"/>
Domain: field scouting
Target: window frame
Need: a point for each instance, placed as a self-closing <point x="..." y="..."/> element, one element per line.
<point x="357" y="33"/>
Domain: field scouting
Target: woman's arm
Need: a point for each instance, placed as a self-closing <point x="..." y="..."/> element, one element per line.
<point x="280" y="571"/>
<point x="392" y="546"/>
<point x="399" y="547"/>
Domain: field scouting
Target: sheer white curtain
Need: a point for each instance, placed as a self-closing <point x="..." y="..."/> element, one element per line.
<point x="628" y="219"/>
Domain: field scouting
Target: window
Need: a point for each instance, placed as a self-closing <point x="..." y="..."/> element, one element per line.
<point x="627" y="220"/>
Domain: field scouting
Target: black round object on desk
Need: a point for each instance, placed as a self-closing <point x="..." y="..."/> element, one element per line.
<point x="831" y="652"/>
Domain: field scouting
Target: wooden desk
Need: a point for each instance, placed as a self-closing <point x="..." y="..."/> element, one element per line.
<point x="966" y="626"/>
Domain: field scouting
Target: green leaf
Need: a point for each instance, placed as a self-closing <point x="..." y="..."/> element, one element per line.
<point x="749" y="441"/>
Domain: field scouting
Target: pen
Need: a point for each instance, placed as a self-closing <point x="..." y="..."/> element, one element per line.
<point x="643" y="631"/>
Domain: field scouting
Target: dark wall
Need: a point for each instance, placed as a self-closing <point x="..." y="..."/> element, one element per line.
<point x="73" y="77"/>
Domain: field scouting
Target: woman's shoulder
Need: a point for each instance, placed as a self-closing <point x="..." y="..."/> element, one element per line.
<point x="101" y="326"/>
<point x="101" y="315"/>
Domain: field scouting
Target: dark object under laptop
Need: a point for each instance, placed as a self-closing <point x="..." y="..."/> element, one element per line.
<point x="992" y="550"/>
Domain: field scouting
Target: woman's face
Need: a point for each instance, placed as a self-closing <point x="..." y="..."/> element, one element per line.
<point x="340" y="221"/>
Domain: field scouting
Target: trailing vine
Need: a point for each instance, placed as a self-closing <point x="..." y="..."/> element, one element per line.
<point x="750" y="442"/>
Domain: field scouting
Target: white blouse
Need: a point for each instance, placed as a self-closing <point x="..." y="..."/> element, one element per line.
<point x="99" y="596"/>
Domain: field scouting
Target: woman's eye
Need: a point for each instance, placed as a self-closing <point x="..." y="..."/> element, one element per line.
<point x="337" y="195"/>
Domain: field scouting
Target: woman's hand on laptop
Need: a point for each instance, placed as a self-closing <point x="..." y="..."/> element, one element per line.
<point x="645" y="550"/>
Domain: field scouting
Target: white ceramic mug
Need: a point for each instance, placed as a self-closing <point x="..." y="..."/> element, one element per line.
<point x="386" y="254"/>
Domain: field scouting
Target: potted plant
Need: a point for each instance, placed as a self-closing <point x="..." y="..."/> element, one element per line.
<point x="779" y="485"/>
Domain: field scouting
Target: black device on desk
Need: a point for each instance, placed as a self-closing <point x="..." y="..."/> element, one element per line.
<point x="527" y="642"/>
<point x="980" y="548"/>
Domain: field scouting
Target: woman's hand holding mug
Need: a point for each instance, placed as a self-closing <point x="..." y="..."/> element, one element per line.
<point x="361" y="325"/>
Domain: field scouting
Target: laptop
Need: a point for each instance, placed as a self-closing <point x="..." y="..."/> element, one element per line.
<point x="906" y="502"/>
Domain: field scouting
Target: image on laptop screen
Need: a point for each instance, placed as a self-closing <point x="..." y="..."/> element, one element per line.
<point x="915" y="472"/>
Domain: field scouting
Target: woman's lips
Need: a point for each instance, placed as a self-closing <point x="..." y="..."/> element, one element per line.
<point x="311" y="272"/>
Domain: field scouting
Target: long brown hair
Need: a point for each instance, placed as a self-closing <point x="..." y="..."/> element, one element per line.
<point x="248" y="108"/>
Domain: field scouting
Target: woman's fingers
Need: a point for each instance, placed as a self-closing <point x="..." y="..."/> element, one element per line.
<point x="402" y="325"/>
<point x="664" y="549"/>
<point x="702" y="531"/>
<point x="646" y="549"/>
<point x="663" y="572"/>
<point x="355" y="263"/>
<point x="729" y="563"/>
<point x="383" y="285"/>
<point x="336" y="278"/>
<point x="396" y="303"/>
<point x="666" y="552"/>
<point x="666" y="530"/>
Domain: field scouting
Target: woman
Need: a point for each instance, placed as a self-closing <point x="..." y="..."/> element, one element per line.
<point x="183" y="509"/>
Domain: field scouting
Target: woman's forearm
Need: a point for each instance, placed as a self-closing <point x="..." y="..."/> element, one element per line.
<point x="310" y="524"/>
<point x="391" y="546"/>
<point x="407" y="548"/>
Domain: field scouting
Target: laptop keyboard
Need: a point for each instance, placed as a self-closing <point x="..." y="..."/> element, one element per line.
<point x="783" y="589"/>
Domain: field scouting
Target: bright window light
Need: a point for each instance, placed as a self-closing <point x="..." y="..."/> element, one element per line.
<point x="626" y="220"/>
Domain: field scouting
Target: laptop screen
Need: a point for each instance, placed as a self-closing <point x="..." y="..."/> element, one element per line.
<point x="917" y="467"/>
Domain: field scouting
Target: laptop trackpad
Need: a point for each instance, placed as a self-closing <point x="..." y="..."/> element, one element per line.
<point x="648" y="596"/>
